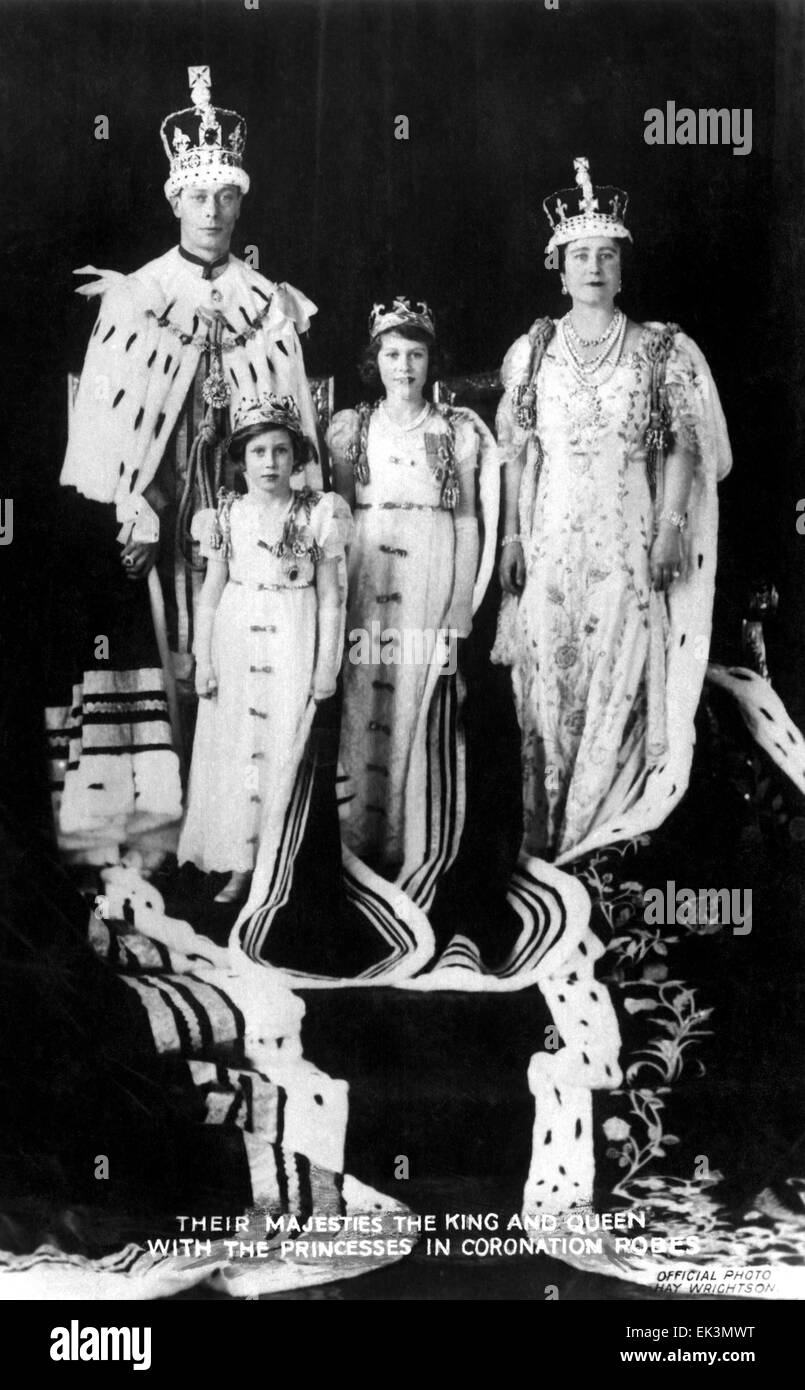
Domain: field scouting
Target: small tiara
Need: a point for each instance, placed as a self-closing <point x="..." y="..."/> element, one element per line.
<point x="400" y="315"/>
<point x="268" y="409"/>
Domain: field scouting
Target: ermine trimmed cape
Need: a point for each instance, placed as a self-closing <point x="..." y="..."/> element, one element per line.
<point x="144" y="353"/>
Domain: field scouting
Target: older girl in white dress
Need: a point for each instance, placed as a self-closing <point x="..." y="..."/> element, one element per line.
<point x="410" y="468"/>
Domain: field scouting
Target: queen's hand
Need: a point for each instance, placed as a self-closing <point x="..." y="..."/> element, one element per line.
<point x="511" y="570"/>
<point x="665" y="559"/>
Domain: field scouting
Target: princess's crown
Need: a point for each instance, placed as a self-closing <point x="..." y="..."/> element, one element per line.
<point x="268" y="409"/>
<point x="400" y="315"/>
<point x="204" y="143"/>
<point x="585" y="210"/>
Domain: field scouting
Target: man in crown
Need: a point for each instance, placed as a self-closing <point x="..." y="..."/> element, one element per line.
<point x="174" y="348"/>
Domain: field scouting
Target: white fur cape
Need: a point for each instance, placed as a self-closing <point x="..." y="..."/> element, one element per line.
<point x="137" y="371"/>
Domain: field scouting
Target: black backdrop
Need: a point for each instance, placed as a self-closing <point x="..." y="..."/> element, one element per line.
<point x="500" y="95"/>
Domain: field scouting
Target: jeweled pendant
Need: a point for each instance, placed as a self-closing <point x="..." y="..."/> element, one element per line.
<point x="215" y="390"/>
<point x="290" y="568"/>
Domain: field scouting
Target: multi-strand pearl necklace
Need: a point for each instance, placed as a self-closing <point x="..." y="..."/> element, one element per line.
<point x="611" y="341"/>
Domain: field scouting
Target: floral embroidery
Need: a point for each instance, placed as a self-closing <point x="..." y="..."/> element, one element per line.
<point x="566" y="657"/>
<point x="582" y="624"/>
<point x="637" y="959"/>
<point x="575" y="721"/>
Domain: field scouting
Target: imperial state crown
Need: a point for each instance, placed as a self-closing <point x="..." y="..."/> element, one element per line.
<point x="204" y="143"/>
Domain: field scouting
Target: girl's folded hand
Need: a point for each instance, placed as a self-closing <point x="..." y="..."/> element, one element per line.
<point x="206" y="681"/>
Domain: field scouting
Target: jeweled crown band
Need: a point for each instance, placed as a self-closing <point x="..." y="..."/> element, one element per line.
<point x="204" y="143"/>
<point x="267" y="410"/>
<point x="400" y="315"/>
<point x="586" y="210"/>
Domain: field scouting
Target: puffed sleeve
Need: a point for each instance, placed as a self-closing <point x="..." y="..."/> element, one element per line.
<point x="332" y="525"/>
<point x="512" y="438"/>
<point x="342" y="434"/>
<point x="205" y="528"/>
<point x="467" y="441"/>
<point x="515" y="363"/>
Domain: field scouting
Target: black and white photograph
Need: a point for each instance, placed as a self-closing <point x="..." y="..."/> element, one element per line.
<point x="403" y="663"/>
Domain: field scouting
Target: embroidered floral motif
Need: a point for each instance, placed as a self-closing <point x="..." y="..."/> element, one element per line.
<point x="585" y="607"/>
<point x="575" y="720"/>
<point x="566" y="657"/>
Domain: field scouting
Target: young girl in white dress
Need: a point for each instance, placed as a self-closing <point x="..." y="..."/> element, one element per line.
<point x="269" y="635"/>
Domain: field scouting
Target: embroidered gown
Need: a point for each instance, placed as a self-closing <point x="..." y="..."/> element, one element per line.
<point x="263" y="652"/>
<point x="400" y="589"/>
<point x="593" y="672"/>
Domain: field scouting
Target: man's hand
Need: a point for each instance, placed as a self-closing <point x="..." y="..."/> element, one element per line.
<point x="139" y="557"/>
<point x="511" y="570"/>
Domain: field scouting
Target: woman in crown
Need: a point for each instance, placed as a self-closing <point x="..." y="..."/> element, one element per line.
<point x="410" y="469"/>
<point x="613" y="440"/>
<point x="269" y="638"/>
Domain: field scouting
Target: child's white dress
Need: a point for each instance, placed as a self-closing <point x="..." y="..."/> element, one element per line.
<point x="263" y="653"/>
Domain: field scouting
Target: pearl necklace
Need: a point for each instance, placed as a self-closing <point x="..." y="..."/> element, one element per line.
<point x="610" y="331"/>
<point x="584" y="371"/>
<point x="414" y="424"/>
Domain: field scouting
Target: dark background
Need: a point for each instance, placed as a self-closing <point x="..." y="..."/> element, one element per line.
<point x="500" y="96"/>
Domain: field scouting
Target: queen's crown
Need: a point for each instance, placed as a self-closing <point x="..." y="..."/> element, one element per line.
<point x="586" y="210"/>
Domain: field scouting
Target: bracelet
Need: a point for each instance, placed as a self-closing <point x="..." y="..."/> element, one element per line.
<point x="676" y="519"/>
<point x="512" y="540"/>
